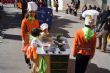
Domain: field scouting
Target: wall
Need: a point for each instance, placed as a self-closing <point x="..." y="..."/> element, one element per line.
<point x="62" y="4"/>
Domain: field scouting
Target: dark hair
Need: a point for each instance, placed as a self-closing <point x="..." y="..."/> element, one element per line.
<point x="98" y="9"/>
<point x="90" y="7"/>
<point x="35" y="32"/>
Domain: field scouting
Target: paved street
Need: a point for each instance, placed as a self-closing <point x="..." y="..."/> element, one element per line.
<point x="12" y="60"/>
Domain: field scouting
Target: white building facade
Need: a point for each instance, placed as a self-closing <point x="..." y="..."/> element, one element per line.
<point x="62" y="4"/>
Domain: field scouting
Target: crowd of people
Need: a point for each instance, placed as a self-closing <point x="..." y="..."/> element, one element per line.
<point x="103" y="29"/>
<point x="72" y="8"/>
<point x="102" y="25"/>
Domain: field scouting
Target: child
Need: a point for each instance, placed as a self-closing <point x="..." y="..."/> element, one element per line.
<point x="44" y="28"/>
<point x="45" y="36"/>
<point x="31" y="52"/>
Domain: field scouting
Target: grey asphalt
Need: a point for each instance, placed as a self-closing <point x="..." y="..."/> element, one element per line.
<point x="11" y="57"/>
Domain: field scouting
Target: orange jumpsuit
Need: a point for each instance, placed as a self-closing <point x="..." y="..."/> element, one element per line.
<point x="82" y="46"/>
<point x="83" y="50"/>
<point x="31" y="53"/>
<point x="26" y="28"/>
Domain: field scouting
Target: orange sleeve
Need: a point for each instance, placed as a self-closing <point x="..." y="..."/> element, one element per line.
<point x="34" y="54"/>
<point x="24" y="31"/>
<point x="75" y="43"/>
<point x="29" y="52"/>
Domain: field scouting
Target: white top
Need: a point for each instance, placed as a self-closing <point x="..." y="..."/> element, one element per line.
<point x="36" y="42"/>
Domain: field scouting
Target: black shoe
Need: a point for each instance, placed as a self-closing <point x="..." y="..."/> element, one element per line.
<point x="29" y="66"/>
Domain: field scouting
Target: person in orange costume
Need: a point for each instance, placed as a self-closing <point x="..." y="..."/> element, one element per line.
<point x="28" y="23"/>
<point x="31" y="51"/>
<point x="84" y="44"/>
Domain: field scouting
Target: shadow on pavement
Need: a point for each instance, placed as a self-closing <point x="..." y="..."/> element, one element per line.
<point x="92" y="68"/>
<point x="59" y="24"/>
<point x="11" y="20"/>
<point x="7" y="21"/>
<point x="11" y="36"/>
